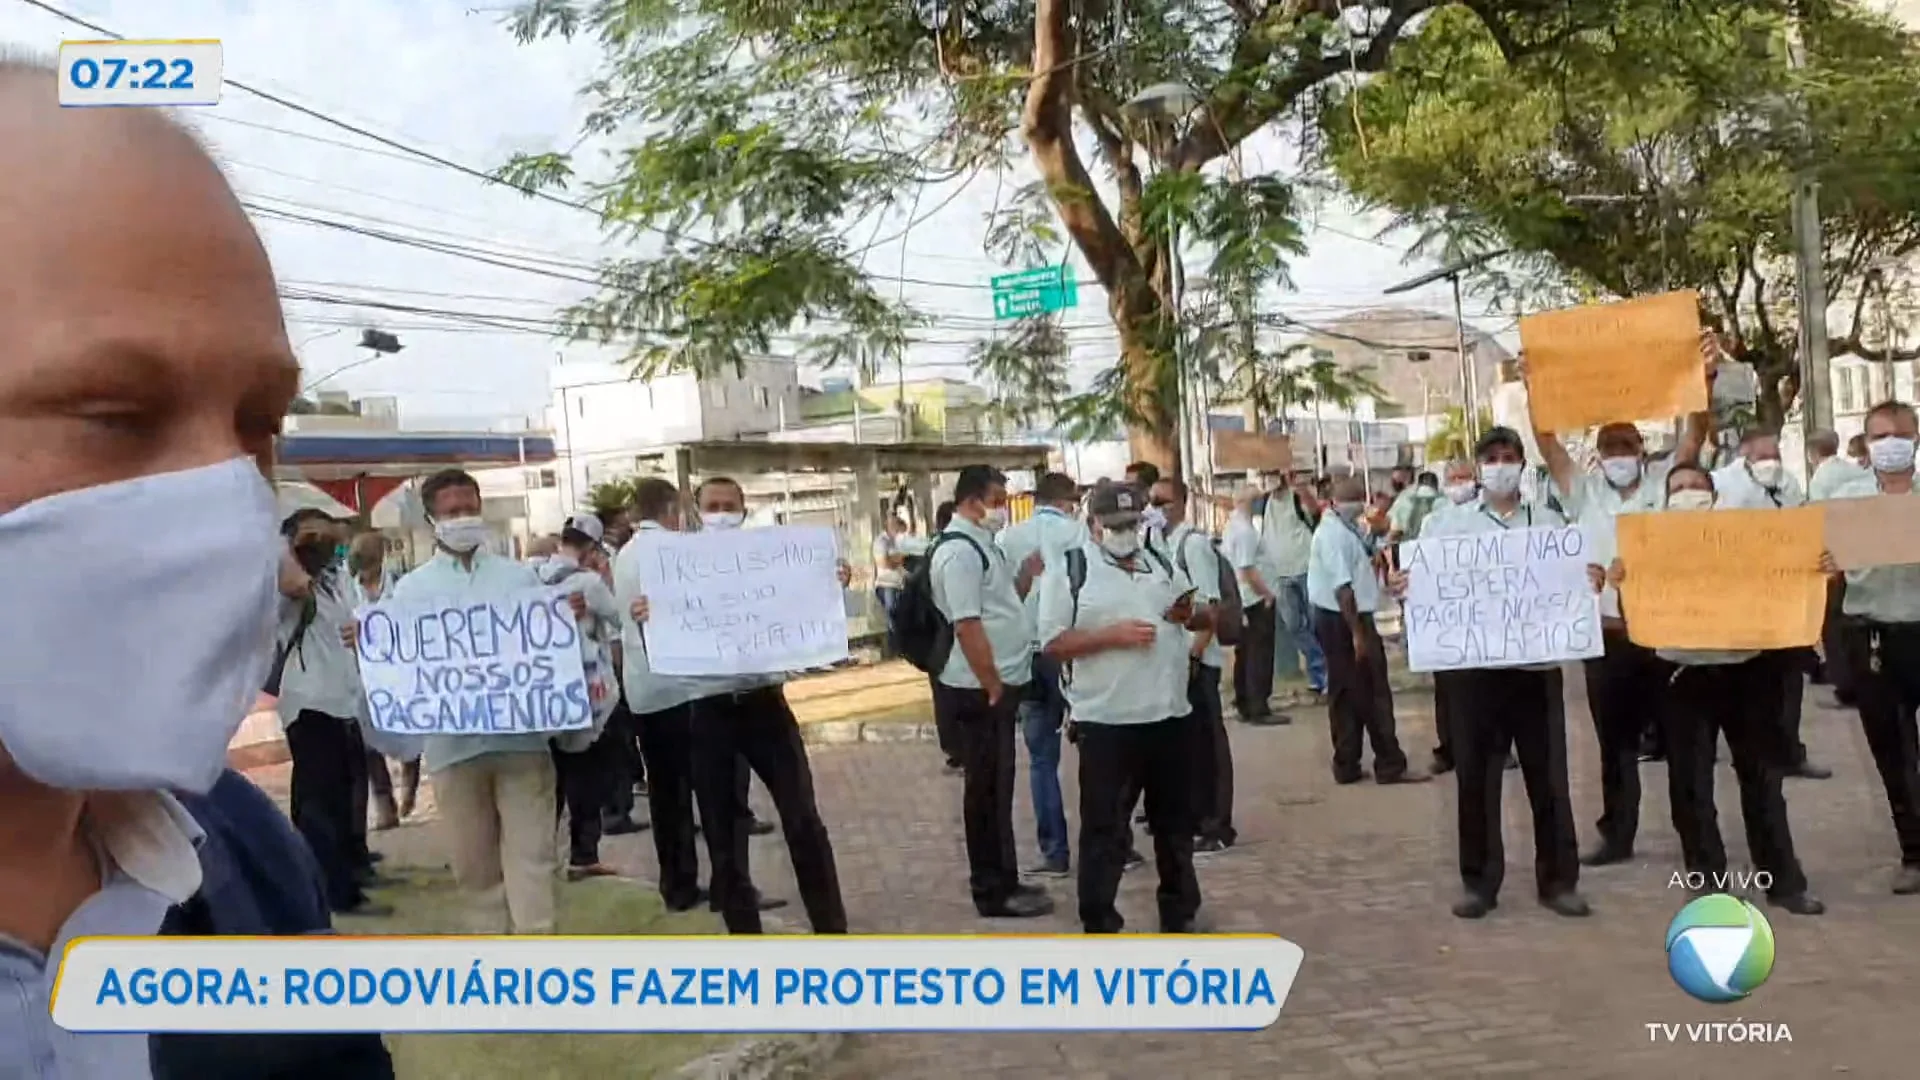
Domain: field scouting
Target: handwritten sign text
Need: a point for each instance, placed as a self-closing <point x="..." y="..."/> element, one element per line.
<point x="1500" y="599"/>
<point x="743" y="601"/>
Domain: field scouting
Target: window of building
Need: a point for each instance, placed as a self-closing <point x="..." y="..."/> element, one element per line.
<point x="716" y="395"/>
<point x="580" y="406"/>
<point x="762" y="397"/>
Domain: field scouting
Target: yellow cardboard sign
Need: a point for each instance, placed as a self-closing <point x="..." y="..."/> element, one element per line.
<point x="1236" y="450"/>
<point x="1634" y="360"/>
<point x="1723" y="579"/>
<point x="1883" y="530"/>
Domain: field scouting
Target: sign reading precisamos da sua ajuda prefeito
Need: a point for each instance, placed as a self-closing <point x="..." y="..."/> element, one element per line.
<point x="496" y="666"/>
<point x="778" y="984"/>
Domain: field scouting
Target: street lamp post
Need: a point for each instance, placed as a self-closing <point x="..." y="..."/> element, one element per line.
<point x="1469" y="383"/>
<point x="1165" y="107"/>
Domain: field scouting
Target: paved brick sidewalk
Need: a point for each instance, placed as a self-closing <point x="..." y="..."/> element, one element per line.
<point x="1361" y="878"/>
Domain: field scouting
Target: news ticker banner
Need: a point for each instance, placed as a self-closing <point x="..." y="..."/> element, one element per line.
<point x="675" y="984"/>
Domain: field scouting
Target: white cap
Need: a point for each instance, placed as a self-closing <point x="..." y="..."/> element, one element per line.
<point x="589" y="526"/>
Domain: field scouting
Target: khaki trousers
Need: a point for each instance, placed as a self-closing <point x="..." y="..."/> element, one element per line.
<point x="496" y="812"/>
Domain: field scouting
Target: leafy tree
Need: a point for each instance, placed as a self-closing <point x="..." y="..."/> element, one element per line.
<point x="609" y="495"/>
<point x="1450" y="440"/>
<point x="1658" y="151"/>
<point x="1026" y="372"/>
<point x="755" y="132"/>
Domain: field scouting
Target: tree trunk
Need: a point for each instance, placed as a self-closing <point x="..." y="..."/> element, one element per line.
<point x="1136" y="309"/>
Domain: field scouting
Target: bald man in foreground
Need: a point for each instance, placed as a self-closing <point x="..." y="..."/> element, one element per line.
<point x="145" y="377"/>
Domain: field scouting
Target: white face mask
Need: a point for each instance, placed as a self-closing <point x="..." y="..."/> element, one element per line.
<point x="994" y="520"/>
<point x="1502" y="478"/>
<point x="1891" y="454"/>
<point x="1121" y="544"/>
<point x="461" y="535"/>
<point x="1461" y="493"/>
<point x="1766" y="472"/>
<point x="1690" y="499"/>
<point x="1620" y="471"/>
<point x="1153" y="518"/>
<point x="181" y="619"/>
<point x="722" y="520"/>
<point x="1426" y="491"/>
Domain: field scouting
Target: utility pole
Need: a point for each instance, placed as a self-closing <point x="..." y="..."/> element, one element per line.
<point x="1816" y="382"/>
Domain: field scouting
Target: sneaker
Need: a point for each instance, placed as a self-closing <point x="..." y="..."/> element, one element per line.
<point x="591" y="870"/>
<point x="624" y="826"/>
<point x="1049" y="869"/>
<point x="1212" y="845"/>
<point x="1019" y="906"/>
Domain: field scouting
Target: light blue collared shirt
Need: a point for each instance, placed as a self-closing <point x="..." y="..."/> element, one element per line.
<point x="146" y="843"/>
<point x="1050" y="533"/>
<point x="443" y="578"/>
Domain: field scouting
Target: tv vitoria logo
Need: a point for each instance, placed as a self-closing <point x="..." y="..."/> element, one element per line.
<point x="1719" y="948"/>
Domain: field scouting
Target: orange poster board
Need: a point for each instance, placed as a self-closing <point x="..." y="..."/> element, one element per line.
<point x="1235" y="450"/>
<point x="1601" y="363"/>
<point x="1723" y="579"/>
<point x="1880" y="531"/>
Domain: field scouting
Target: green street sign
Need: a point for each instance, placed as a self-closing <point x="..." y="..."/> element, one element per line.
<point x="1034" y="292"/>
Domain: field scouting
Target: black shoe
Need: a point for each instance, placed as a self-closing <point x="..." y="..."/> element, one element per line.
<point x="1606" y="855"/>
<point x="1512" y="763"/>
<point x="1019" y="906"/>
<point x="1798" y="904"/>
<point x="1807" y="770"/>
<point x="1906" y="881"/>
<point x="1024" y="889"/>
<point x="1133" y="861"/>
<point x="640" y="789"/>
<point x="756" y="827"/>
<point x="1267" y="718"/>
<point x="1049" y="869"/>
<point x="770" y="903"/>
<point x="365" y="908"/>
<point x="1348" y="778"/>
<point x="687" y="903"/>
<point x="1474" y="906"/>
<point x="625" y="826"/>
<point x="954" y="768"/>
<point x="1404" y="776"/>
<point x="1211" y="845"/>
<point x="1441" y="765"/>
<point x="1568" y="904"/>
<point x="1140" y="818"/>
<point x="376" y="856"/>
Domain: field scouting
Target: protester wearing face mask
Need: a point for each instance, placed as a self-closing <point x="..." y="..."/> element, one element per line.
<point x="1882" y="639"/>
<point x="585" y="761"/>
<point x="664" y="704"/>
<point x="540" y="549"/>
<point x="1735" y="693"/>
<point x="495" y="792"/>
<point x="1757" y="480"/>
<point x="980" y="591"/>
<point x="1410" y="508"/>
<point x="1625" y="723"/>
<point x="1192" y="555"/>
<point x="744" y="721"/>
<point x="1049" y="533"/>
<point x="1286" y="537"/>
<point x="368" y="581"/>
<point x="1114" y="614"/>
<point x="318" y="696"/>
<point x="1253" y="657"/>
<point x="1857" y="453"/>
<point x="1345" y="593"/>
<point x="146" y="375"/>
<point x="1461" y="491"/>
<point x="1496" y="708"/>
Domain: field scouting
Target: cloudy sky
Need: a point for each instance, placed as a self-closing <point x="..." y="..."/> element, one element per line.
<point x="445" y="77"/>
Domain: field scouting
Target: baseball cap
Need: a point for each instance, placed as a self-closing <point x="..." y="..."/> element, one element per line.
<point x="588" y="526"/>
<point x="1115" y="504"/>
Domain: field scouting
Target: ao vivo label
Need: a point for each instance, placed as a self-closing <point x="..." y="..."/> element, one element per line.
<point x="136" y="73"/>
<point x="556" y="984"/>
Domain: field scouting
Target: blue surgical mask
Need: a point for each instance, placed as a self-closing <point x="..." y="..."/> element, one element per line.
<point x="145" y="693"/>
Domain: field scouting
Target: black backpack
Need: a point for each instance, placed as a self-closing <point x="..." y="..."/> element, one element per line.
<point x="916" y="629"/>
<point x="1229" y="615"/>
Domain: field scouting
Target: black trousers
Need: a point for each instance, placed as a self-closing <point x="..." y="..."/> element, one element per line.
<point x="666" y="740"/>
<point x="758" y="726"/>
<point x="1443" y="722"/>
<point x="585" y="783"/>
<point x="1794" y="666"/>
<point x="1624" y="687"/>
<point x="1886" y="682"/>
<point x="1840" y="663"/>
<point x="986" y="800"/>
<point x="1154" y="760"/>
<point x="946" y="726"/>
<point x="1741" y="701"/>
<point x="1212" y="756"/>
<point x="1359" y="698"/>
<point x="357" y="817"/>
<point x="624" y="763"/>
<point x="324" y="750"/>
<point x="1523" y="709"/>
<point x="1253" y="663"/>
